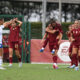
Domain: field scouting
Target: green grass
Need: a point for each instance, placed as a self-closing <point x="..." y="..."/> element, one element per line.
<point x="38" y="72"/>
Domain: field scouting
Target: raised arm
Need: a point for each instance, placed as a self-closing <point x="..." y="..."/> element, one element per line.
<point x="20" y="22"/>
<point x="50" y="31"/>
<point x="60" y="38"/>
<point x="7" y="23"/>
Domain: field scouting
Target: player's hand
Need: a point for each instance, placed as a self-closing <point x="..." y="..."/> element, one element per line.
<point x="27" y="43"/>
<point x="16" y="19"/>
<point x="57" y="37"/>
<point x="47" y="29"/>
<point x="73" y="39"/>
<point x="59" y="42"/>
<point x="42" y="40"/>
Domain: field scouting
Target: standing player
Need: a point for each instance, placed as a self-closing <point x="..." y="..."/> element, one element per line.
<point x="14" y="41"/>
<point x="76" y="43"/>
<point x="71" y="43"/>
<point x="2" y="25"/>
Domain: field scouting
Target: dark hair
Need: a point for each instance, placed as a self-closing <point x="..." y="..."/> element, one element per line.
<point x="52" y="21"/>
<point x="1" y="19"/>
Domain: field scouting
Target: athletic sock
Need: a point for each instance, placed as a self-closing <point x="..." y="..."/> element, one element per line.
<point x="55" y="59"/>
<point x="71" y="60"/>
<point x="75" y="59"/>
<point x="42" y="48"/>
<point x="1" y="61"/>
<point x="10" y="60"/>
<point x="19" y="59"/>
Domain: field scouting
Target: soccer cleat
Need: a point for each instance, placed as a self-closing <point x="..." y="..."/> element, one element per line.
<point x="10" y="65"/>
<point x="2" y="68"/>
<point x="76" y="68"/>
<point x="73" y="66"/>
<point x="20" y="64"/>
<point x="52" y="52"/>
<point x="55" y="66"/>
<point x="41" y="50"/>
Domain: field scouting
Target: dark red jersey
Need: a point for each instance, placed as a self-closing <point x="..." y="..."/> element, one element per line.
<point x="14" y="34"/>
<point x="76" y="34"/>
<point x="58" y="27"/>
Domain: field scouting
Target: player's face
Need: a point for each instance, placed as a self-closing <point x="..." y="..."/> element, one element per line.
<point x="13" y="24"/>
<point x="76" y="24"/>
<point x="70" y="28"/>
<point x="50" y="27"/>
<point x="53" y="24"/>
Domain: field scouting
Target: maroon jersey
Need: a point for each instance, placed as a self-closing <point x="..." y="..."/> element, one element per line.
<point x="76" y="34"/>
<point x="14" y="34"/>
<point x="58" y="26"/>
<point x="53" y="37"/>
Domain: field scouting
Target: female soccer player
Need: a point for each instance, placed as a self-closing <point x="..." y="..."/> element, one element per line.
<point x="71" y="43"/>
<point x="54" y="41"/>
<point x="45" y="39"/>
<point x="76" y="43"/>
<point x="14" y="41"/>
<point x="2" y="25"/>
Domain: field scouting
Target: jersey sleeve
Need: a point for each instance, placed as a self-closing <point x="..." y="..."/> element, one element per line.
<point x="2" y="26"/>
<point x="9" y="26"/>
<point x="60" y="28"/>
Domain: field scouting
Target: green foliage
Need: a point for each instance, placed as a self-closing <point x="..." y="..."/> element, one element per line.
<point x="36" y="30"/>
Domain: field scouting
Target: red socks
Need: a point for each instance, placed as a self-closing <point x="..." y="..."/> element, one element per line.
<point x="71" y="60"/>
<point x="75" y="59"/>
<point x="19" y="59"/>
<point x="55" y="59"/>
<point x="10" y="60"/>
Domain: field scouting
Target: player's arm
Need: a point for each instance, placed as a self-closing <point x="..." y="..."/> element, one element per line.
<point x="19" y="22"/>
<point x="27" y="43"/>
<point x="6" y="24"/>
<point x="60" y="37"/>
<point x="50" y="31"/>
<point x="44" y="37"/>
<point x="71" y="38"/>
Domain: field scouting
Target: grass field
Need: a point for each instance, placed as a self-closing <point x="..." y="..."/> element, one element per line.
<point x="38" y="72"/>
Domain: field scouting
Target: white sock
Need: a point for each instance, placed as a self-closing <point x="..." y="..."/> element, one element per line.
<point x="55" y="64"/>
<point x="1" y="61"/>
<point x="42" y="48"/>
<point x="53" y="50"/>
